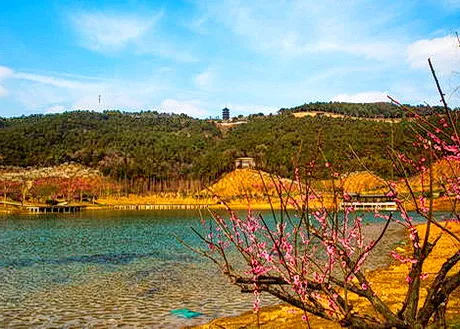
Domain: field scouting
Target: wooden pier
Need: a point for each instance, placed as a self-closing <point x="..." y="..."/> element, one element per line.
<point x="68" y="209"/>
<point x="159" y="206"/>
<point x="54" y="209"/>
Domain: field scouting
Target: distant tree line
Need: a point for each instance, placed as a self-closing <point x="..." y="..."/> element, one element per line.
<point x="366" y="110"/>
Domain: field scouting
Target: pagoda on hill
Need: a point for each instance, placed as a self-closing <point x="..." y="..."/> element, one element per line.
<point x="225" y="114"/>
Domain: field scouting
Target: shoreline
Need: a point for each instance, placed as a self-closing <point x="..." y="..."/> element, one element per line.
<point x="173" y="200"/>
<point x="437" y="207"/>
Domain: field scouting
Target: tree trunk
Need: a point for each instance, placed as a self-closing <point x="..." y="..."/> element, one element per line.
<point x="440" y="317"/>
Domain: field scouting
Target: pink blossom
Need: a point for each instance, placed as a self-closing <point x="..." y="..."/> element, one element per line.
<point x="318" y="278"/>
<point x="256" y="303"/>
<point x="451" y="148"/>
<point x="264" y="254"/>
<point x="423" y="276"/>
<point x="391" y="194"/>
<point x="403" y="259"/>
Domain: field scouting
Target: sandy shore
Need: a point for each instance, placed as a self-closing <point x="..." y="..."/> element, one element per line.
<point x="387" y="277"/>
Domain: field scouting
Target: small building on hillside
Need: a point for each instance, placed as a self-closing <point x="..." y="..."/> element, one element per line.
<point x="245" y="162"/>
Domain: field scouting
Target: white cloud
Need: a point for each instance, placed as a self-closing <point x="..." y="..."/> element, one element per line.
<point x="165" y="49"/>
<point x="106" y="32"/>
<point x="365" y="97"/>
<point x="310" y="27"/>
<point x="384" y="50"/>
<point x="3" y="91"/>
<point x="5" y="72"/>
<point x="197" y="25"/>
<point x="34" y="96"/>
<point x="46" y="91"/>
<point x="444" y="53"/>
<point x="53" y="81"/>
<point x="187" y="107"/>
<point x="205" y="79"/>
<point x="451" y="4"/>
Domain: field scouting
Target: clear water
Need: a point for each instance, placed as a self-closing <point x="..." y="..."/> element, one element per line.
<point x="107" y="269"/>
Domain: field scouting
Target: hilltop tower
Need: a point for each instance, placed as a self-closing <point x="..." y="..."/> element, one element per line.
<point x="225" y="114"/>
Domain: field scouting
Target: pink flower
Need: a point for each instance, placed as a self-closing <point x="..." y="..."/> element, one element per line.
<point x="413" y="233"/>
<point x="391" y="194"/>
<point x="296" y="280"/>
<point x="403" y="259"/>
<point x="264" y="254"/>
<point x="256" y="303"/>
<point x="318" y="278"/>
<point x="423" y="276"/>
<point x="451" y="148"/>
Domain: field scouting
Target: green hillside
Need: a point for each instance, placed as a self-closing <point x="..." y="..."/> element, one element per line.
<point x="277" y="141"/>
<point x="162" y="150"/>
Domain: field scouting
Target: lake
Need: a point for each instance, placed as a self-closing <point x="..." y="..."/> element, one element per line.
<point x="98" y="269"/>
<point x="102" y="269"/>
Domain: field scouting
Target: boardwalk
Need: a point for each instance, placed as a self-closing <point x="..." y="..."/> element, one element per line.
<point x="54" y="209"/>
<point x="158" y="206"/>
<point x="63" y="209"/>
<point x="43" y="209"/>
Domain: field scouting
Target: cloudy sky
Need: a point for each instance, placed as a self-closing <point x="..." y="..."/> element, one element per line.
<point x="196" y="57"/>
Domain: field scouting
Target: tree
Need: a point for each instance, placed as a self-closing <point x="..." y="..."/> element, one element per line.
<point x="314" y="259"/>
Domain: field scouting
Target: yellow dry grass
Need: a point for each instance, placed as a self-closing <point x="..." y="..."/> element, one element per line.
<point x="390" y="283"/>
<point x="362" y="181"/>
<point x="355" y="182"/>
<point x="243" y="188"/>
<point x="242" y="183"/>
<point x="442" y="171"/>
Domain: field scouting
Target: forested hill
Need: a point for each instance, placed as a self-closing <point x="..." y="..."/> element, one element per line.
<point x="170" y="148"/>
<point x="120" y="144"/>
<point x="366" y="110"/>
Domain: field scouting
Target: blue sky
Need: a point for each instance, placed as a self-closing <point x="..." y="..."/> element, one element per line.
<point x="196" y="57"/>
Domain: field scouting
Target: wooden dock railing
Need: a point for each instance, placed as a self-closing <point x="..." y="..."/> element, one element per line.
<point x="158" y="206"/>
<point x="45" y="209"/>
